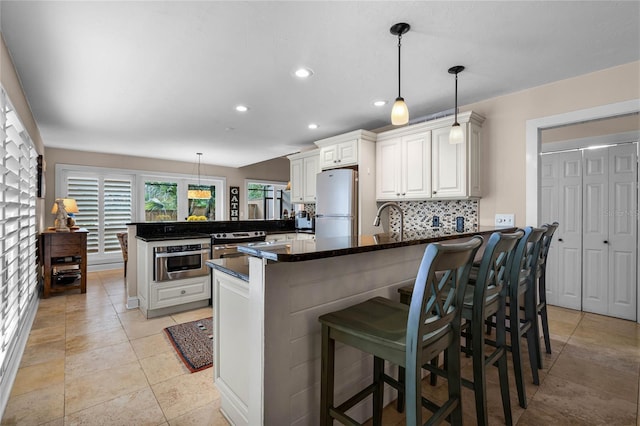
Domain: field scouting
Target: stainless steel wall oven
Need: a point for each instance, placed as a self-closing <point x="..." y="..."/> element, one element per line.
<point x="176" y="262"/>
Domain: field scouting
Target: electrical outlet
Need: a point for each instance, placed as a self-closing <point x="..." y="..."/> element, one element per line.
<point x="505" y="220"/>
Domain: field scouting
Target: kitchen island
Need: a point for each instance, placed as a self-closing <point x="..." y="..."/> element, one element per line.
<point x="266" y="307"/>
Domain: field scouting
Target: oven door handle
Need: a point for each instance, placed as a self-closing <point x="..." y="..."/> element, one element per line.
<point x="181" y="253"/>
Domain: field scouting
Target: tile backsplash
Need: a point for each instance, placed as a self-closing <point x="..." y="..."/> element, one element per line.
<point x="419" y="215"/>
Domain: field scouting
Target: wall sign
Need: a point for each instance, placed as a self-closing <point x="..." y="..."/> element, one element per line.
<point x="234" y="203"/>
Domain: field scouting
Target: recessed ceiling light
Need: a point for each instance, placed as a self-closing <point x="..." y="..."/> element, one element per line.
<point x="379" y="103"/>
<point x="312" y="126"/>
<point x="242" y="108"/>
<point x="303" y="73"/>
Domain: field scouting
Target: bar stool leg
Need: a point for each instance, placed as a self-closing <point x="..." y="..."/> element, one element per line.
<point x="327" y="376"/>
<point x="503" y="373"/>
<point x="514" y="325"/>
<point x="378" y="369"/>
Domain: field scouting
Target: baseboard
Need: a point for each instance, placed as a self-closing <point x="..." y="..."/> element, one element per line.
<point x="15" y="355"/>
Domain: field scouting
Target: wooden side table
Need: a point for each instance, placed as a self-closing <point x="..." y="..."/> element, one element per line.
<point x="64" y="258"/>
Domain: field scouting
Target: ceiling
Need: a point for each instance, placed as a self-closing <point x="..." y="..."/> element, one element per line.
<point x="161" y="79"/>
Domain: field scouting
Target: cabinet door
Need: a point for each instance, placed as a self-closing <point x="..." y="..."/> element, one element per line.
<point x="311" y="167"/>
<point x="449" y="165"/>
<point x="348" y="153"/>
<point x="297" y="180"/>
<point x="329" y="157"/>
<point x="388" y="169"/>
<point x="415" y="166"/>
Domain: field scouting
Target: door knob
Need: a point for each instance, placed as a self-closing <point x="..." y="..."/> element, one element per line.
<point x="560" y="240"/>
<point x="606" y="242"/>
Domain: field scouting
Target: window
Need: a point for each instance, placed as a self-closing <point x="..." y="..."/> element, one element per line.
<point x="160" y="201"/>
<point x="267" y="200"/>
<point x="105" y="206"/>
<point x="178" y="198"/>
<point x="202" y="201"/>
<point x="18" y="270"/>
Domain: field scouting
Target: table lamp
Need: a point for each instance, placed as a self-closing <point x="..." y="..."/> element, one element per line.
<point x="62" y="208"/>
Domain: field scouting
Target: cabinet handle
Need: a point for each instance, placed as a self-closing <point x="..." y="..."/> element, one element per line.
<point x="606" y="242"/>
<point x="183" y="291"/>
<point x="404" y="193"/>
<point x="435" y="192"/>
<point x="397" y="194"/>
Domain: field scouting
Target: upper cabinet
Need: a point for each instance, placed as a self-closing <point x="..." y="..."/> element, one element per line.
<point x="303" y="170"/>
<point x="343" y="150"/>
<point x="417" y="162"/>
<point x="403" y="167"/>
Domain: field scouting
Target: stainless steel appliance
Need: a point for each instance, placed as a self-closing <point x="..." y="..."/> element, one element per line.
<point x="336" y="203"/>
<point x="304" y="221"/>
<point x="225" y="244"/>
<point x="177" y="262"/>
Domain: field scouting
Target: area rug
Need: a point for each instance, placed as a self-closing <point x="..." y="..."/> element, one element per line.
<point x="193" y="341"/>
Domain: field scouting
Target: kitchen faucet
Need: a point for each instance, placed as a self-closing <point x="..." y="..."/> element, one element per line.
<point x="376" y="221"/>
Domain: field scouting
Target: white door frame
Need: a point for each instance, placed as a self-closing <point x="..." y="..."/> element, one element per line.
<point x="534" y="129"/>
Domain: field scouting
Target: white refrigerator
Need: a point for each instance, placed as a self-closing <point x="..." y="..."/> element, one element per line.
<point x="336" y="203"/>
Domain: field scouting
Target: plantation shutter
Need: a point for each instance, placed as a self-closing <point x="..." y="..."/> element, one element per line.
<point x="104" y="208"/>
<point x="117" y="211"/>
<point x="18" y="267"/>
<point x="86" y="191"/>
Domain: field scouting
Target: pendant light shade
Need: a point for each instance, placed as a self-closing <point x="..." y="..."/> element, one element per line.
<point x="199" y="194"/>
<point x="399" y="112"/>
<point x="456" y="135"/>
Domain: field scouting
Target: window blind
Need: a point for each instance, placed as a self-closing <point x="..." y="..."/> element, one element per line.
<point x="105" y="206"/>
<point x="18" y="267"/>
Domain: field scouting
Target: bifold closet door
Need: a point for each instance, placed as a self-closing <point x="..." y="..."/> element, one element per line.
<point x="610" y="229"/>
<point x="561" y="200"/>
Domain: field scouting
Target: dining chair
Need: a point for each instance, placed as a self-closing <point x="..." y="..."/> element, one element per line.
<point x="408" y="336"/>
<point x="124" y="247"/>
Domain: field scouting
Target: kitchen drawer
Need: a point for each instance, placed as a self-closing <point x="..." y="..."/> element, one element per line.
<point x="172" y="293"/>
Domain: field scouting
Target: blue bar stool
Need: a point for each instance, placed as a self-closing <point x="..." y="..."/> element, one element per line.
<point x="408" y="336"/>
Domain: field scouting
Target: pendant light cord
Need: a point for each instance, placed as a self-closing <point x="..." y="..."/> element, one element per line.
<point x="399" y="50"/>
<point x="456" y="106"/>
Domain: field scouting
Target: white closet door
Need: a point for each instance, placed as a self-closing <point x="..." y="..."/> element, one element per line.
<point x="610" y="229"/>
<point x="596" y="231"/>
<point x="623" y="222"/>
<point x="549" y="212"/>
<point x="562" y="201"/>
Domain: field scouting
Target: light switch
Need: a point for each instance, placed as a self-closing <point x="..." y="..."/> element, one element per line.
<point x="505" y="219"/>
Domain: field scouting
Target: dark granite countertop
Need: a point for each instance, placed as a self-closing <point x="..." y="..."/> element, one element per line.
<point x="235" y="266"/>
<point x="301" y="250"/>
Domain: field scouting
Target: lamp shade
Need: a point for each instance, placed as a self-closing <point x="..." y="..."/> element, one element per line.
<point x="70" y="206"/>
<point x="456" y="135"/>
<point x="399" y="112"/>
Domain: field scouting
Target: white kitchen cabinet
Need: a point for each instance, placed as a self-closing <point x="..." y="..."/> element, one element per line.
<point x="303" y="170"/>
<point x="417" y="162"/>
<point x="167" y="297"/>
<point x="339" y="155"/>
<point x="403" y="167"/>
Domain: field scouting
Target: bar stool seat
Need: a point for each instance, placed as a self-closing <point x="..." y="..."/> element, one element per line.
<point x="408" y="336"/>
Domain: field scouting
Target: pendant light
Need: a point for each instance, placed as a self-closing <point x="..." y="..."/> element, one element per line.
<point x="399" y="112"/>
<point x="456" y="135"/>
<point x="199" y="194"/>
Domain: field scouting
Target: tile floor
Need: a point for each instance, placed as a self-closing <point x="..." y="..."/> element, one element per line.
<point x="90" y="361"/>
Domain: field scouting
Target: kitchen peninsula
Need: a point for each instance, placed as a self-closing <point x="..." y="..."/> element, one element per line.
<point x="266" y="305"/>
